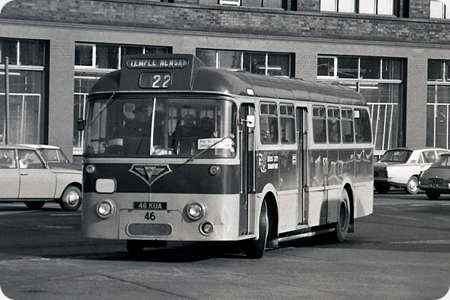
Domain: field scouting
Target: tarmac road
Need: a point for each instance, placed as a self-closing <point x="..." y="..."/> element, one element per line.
<point x="402" y="251"/>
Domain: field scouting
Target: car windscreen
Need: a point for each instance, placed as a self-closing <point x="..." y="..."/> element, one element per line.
<point x="398" y="156"/>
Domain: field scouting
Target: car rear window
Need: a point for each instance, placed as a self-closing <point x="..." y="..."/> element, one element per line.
<point x="400" y="156"/>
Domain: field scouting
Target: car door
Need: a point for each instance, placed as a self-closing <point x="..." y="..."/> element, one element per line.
<point x="9" y="174"/>
<point x="36" y="180"/>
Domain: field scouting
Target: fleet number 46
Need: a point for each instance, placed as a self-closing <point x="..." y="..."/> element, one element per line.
<point x="150" y="216"/>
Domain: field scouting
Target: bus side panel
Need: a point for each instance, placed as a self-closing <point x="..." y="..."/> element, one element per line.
<point x="364" y="179"/>
<point x="317" y="171"/>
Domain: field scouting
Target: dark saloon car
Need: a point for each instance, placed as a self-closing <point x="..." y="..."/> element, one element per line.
<point x="436" y="180"/>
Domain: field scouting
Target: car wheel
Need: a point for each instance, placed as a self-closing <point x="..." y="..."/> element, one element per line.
<point x="255" y="248"/>
<point x="382" y="188"/>
<point x="34" y="204"/>
<point x="343" y="221"/>
<point x="432" y="195"/>
<point x="412" y="186"/>
<point x="71" y="198"/>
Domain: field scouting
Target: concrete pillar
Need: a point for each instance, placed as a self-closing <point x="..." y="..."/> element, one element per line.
<point x="61" y="87"/>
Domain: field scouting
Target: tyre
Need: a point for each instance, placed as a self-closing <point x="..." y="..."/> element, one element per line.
<point x="382" y="188"/>
<point x="255" y="248"/>
<point x="71" y="198"/>
<point x="412" y="186"/>
<point x="343" y="221"/>
<point x="34" y="204"/>
<point x="135" y="248"/>
<point x="432" y="195"/>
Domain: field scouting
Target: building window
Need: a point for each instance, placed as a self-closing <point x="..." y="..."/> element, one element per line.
<point x="93" y="61"/>
<point x="438" y="104"/>
<point x="380" y="81"/>
<point x="280" y="4"/>
<point x="373" y="7"/>
<point x="264" y="63"/>
<point x="439" y="10"/>
<point x="27" y="90"/>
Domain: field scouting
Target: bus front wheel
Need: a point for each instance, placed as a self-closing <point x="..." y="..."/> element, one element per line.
<point x="255" y="248"/>
<point x="343" y="218"/>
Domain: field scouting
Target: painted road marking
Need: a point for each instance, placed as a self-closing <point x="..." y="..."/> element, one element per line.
<point x="429" y="242"/>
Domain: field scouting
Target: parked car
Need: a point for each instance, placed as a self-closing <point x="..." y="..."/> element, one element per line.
<point x="436" y="180"/>
<point x="401" y="168"/>
<point x="36" y="174"/>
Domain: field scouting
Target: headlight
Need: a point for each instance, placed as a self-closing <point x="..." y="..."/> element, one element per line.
<point x="194" y="211"/>
<point x="105" y="209"/>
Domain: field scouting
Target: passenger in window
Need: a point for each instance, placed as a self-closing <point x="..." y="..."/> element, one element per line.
<point x="140" y="125"/>
<point x="25" y="160"/>
<point x="184" y="138"/>
<point x="284" y="139"/>
<point x="206" y="129"/>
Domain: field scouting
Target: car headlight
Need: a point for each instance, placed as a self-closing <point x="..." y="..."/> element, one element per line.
<point x="195" y="211"/>
<point x="105" y="209"/>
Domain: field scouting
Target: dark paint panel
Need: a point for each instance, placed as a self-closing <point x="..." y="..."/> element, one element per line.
<point x="186" y="179"/>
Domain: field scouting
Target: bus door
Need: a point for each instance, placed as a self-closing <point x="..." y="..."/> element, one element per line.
<point x="247" y="167"/>
<point x="302" y="164"/>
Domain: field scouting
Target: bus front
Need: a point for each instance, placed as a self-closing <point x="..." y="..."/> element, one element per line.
<point x="161" y="167"/>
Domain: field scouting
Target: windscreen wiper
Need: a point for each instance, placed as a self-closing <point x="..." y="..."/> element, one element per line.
<point x="110" y="101"/>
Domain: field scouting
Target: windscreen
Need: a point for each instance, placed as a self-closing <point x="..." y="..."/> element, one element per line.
<point x="145" y="125"/>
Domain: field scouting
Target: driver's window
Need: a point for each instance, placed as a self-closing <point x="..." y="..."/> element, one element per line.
<point x="28" y="159"/>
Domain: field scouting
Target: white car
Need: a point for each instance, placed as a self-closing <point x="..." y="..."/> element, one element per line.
<point x="402" y="167"/>
<point x="36" y="174"/>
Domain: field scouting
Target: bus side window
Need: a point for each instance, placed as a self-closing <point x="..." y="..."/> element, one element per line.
<point x="319" y="124"/>
<point x="363" y="133"/>
<point x="287" y="124"/>
<point x="334" y="125"/>
<point x="347" y="125"/>
<point x="268" y="121"/>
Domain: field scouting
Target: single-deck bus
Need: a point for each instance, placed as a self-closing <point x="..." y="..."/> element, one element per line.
<point x="176" y="151"/>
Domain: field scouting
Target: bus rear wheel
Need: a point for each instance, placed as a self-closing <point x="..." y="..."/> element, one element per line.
<point x="343" y="220"/>
<point x="255" y="248"/>
<point x="34" y="204"/>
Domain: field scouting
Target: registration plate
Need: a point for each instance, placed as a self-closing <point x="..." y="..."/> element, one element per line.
<point x="150" y="205"/>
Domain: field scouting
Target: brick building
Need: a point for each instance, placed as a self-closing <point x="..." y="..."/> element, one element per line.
<point x="395" y="52"/>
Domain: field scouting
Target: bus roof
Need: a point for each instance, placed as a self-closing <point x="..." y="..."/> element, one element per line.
<point x="206" y="79"/>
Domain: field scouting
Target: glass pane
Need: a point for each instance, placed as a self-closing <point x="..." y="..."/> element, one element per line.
<point x="230" y="59"/>
<point x="132" y="50"/>
<point x="287" y="130"/>
<point x="107" y="57"/>
<point x="367" y="7"/>
<point x="269" y="125"/>
<point x="431" y="94"/>
<point x="447" y="67"/>
<point x="15" y="115"/>
<point x="443" y="94"/>
<point x="392" y="68"/>
<point x="347" y="6"/>
<point x="441" y="126"/>
<point x="28" y="159"/>
<point x="435" y="69"/>
<point x="370" y="68"/>
<point x="319" y="125"/>
<point x="328" y="5"/>
<point x="430" y="125"/>
<point x="2" y="118"/>
<point x="84" y="85"/>
<point x="278" y="65"/>
<point x="334" y="126"/>
<point x="25" y="81"/>
<point x="78" y="103"/>
<point x="385" y="7"/>
<point x="8" y="48"/>
<point x="83" y="55"/>
<point x="347" y="67"/>
<point x="347" y="125"/>
<point x="325" y="66"/>
<point x="30" y="132"/>
<point x="7" y="159"/>
<point x="255" y="63"/>
<point x="436" y="9"/>
<point x="362" y="126"/>
<point x="31" y="53"/>
<point x="157" y="50"/>
<point x="208" y="57"/>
